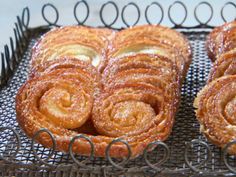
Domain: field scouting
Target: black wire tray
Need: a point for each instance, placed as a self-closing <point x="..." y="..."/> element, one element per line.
<point x="185" y="153"/>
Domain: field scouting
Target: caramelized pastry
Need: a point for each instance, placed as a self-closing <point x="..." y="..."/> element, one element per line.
<point x="152" y="47"/>
<point x="221" y="40"/>
<point x="135" y="98"/>
<point x="143" y="68"/>
<point x="153" y="39"/>
<point x="224" y="65"/>
<point x="62" y="97"/>
<point x="137" y="113"/>
<point x="50" y="106"/>
<point x="83" y="43"/>
<point x="65" y="63"/>
<point x="216" y="102"/>
<point x="216" y="112"/>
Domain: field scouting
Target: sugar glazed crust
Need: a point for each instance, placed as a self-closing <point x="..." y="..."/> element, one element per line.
<point x="221" y="40"/>
<point x="216" y="103"/>
<point x="132" y="94"/>
<point x="83" y="43"/>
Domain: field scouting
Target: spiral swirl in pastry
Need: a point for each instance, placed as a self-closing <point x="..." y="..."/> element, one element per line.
<point x="138" y="113"/>
<point x="216" y="112"/>
<point x="153" y="121"/>
<point x="61" y="96"/>
<point x="135" y="99"/>
<point x="221" y="40"/>
<point x="224" y="65"/>
<point x="83" y="43"/>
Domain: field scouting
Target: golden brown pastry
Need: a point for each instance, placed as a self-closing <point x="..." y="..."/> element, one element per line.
<point x="153" y="39"/>
<point x="137" y="61"/>
<point x="216" y="110"/>
<point x="155" y="70"/>
<point x="63" y="97"/>
<point x="216" y="102"/>
<point x="224" y="65"/>
<point x="65" y="63"/>
<point x="60" y="99"/>
<point x="135" y="98"/>
<point x="83" y="43"/>
<point x="50" y="107"/>
<point x="221" y="40"/>
<point x="152" y="47"/>
<point x="137" y="113"/>
<point x="139" y="101"/>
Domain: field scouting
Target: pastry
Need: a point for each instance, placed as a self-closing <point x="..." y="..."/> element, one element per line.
<point x="87" y="44"/>
<point x="63" y="97"/>
<point x="221" y="40"/>
<point x="36" y="110"/>
<point x="155" y="70"/>
<point x="64" y="63"/>
<point x="154" y="39"/>
<point x="152" y="47"/>
<point x="216" y="102"/>
<point x="224" y="65"/>
<point x="137" y="113"/>
<point x="216" y="112"/>
<point x="121" y="90"/>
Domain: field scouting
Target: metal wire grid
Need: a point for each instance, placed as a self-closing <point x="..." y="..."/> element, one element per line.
<point x="184" y="158"/>
<point x="186" y="127"/>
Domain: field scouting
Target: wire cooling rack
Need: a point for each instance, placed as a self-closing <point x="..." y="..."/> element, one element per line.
<point x="186" y="152"/>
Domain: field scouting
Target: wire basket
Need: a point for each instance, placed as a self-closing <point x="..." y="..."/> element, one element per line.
<point x="186" y="151"/>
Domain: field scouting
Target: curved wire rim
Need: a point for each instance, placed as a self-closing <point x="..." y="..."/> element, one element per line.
<point x="146" y="12"/>
<point x="162" y="161"/>
<point x="123" y="12"/>
<point x="118" y="165"/>
<point x="15" y="59"/>
<point x="20" y="39"/>
<point x="75" y="10"/>
<point x="169" y="13"/>
<point x="16" y="134"/>
<point x="7" y="57"/>
<point x="222" y="10"/>
<point x="43" y="130"/>
<point x="56" y="11"/>
<point x="225" y="152"/>
<point x="196" y="16"/>
<point x="101" y="13"/>
<point x="25" y="13"/>
<point x="23" y="35"/>
<point x="36" y="165"/>
<point x="81" y="164"/>
<point x="188" y="146"/>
